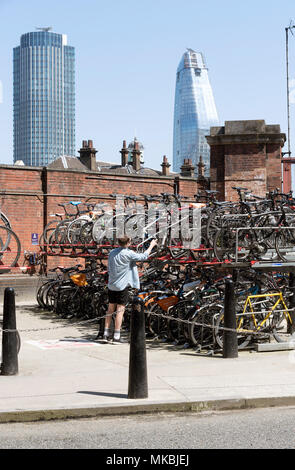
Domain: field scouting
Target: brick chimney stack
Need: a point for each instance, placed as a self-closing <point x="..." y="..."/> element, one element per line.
<point x="187" y="169"/>
<point x="124" y="154"/>
<point x="136" y="156"/>
<point x="201" y="168"/>
<point x="165" y="166"/>
<point x="88" y="155"/>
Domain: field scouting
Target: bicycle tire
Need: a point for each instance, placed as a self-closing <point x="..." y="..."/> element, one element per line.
<point x="200" y="327"/>
<point x="41" y="293"/>
<point x="11" y="255"/>
<point x="284" y="243"/>
<point x="243" y="341"/>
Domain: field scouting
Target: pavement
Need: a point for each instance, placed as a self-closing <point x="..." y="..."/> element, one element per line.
<point x="63" y="373"/>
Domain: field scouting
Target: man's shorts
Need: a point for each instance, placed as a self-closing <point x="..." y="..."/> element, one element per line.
<point x="120" y="297"/>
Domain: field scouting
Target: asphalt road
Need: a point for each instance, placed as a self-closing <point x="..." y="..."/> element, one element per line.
<point x="270" y="428"/>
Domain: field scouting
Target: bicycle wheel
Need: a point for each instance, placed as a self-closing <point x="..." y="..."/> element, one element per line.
<point x="213" y="222"/>
<point x="9" y="255"/>
<point x="49" y="229"/>
<point x="176" y="329"/>
<point x="60" y="235"/>
<point x="284" y="244"/>
<point x="244" y="338"/>
<point x="225" y="244"/>
<point x="86" y="233"/>
<point x="134" y="226"/>
<point x="41" y="293"/>
<point x="4" y="220"/>
<point x="200" y="325"/>
<point x="280" y="326"/>
<point x="68" y="301"/>
<point x="50" y="295"/>
<point x="74" y="229"/>
<point x="156" y="321"/>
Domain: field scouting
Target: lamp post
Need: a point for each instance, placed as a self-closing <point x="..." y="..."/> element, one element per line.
<point x="289" y="28"/>
<point x="287" y="162"/>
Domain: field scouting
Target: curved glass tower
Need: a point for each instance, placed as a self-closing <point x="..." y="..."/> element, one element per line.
<point x="43" y="98"/>
<point x="194" y="111"/>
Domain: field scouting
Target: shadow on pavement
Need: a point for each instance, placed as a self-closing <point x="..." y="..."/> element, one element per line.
<point x="104" y="394"/>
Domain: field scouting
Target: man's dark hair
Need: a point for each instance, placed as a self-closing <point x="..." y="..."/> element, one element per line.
<point x="123" y="241"/>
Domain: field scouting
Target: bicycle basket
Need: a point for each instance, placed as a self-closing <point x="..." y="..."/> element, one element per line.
<point x="167" y="302"/>
<point x="79" y="279"/>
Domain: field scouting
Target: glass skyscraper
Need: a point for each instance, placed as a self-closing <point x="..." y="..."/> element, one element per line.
<point x="194" y="111"/>
<point x="43" y="98"/>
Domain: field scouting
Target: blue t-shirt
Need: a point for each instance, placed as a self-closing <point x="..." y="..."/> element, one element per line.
<point x="122" y="268"/>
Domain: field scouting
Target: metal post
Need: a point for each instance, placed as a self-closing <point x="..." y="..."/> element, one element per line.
<point x="138" y="384"/>
<point x="288" y="90"/>
<point x="230" y="338"/>
<point x="291" y="326"/>
<point x="9" y="364"/>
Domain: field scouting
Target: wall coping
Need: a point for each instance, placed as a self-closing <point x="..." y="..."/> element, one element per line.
<point x="96" y="173"/>
<point x="226" y="139"/>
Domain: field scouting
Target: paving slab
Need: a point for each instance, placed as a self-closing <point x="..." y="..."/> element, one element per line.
<point x="64" y="373"/>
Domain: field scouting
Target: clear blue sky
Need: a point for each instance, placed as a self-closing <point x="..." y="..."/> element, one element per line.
<point x="127" y="52"/>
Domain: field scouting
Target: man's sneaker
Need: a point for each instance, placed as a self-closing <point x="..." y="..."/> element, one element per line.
<point x="106" y="339"/>
<point x="119" y="341"/>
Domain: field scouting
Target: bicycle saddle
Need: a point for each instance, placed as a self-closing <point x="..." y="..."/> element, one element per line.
<point x="75" y="203"/>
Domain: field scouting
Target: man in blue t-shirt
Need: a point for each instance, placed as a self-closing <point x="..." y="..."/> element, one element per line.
<point x="123" y="273"/>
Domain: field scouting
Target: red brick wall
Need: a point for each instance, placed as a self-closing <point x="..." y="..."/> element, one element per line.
<point x="256" y="167"/>
<point x="23" y="201"/>
<point x="245" y="166"/>
<point x="217" y="170"/>
<point x="273" y="166"/>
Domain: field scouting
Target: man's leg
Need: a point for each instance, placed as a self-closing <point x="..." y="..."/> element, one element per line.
<point x="108" y="320"/>
<point x="119" y="318"/>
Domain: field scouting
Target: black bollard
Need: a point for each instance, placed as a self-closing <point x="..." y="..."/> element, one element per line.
<point x="291" y="325"/>
<point x="138" y="384"/>
<point x="9" y="364"/>
<point x="235" y="275"/>
<point x="230" y="338"/>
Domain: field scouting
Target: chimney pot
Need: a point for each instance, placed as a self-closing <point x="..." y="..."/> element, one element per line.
<point x="165" y="166"/>
<point x="124" y="154"/>
<point x="88" y="155"/>
<point x="136" y="157"/>
<point x="187" y="168"/>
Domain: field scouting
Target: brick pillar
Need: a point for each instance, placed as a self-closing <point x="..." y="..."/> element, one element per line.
<point x="124" y="154"/>
<point x="88" y="155"/>
<point x="165" y="166"/>
<point x="246" y="154"/>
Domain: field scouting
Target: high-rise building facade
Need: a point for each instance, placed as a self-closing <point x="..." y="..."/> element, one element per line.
<point x="194" y="111"/>
<point x="43" y="98"/>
